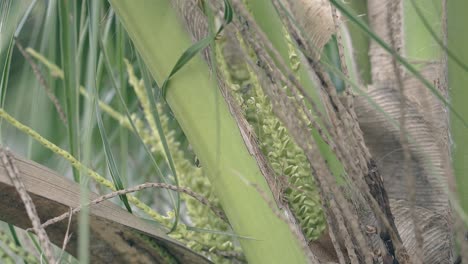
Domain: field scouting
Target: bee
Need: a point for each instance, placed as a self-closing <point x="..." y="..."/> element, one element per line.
<point x="197" y="162"/>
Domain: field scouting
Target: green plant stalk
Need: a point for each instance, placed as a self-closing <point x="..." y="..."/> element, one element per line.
<point x="120" y="53"/>
<point x="458" y="79"/>
<point x="152" y="116"/>
<point x="111" y="164"/>
<point x="192" y="95"/>
<point x="14" y="235"/>
<point x="68" y="54"/>
<point x="331" y="56"/>
<point x="41" y="105"/>
<point x="419" y="43"/>
<point x="10" y="15"/>
<point x="4" y="80"/>
<point x="38" y="248"/>
<point x="360" y="42"/>
<point x="352" y="60"/>
<point x="89" y="121"/>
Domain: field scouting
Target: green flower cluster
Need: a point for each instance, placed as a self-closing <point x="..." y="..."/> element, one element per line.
<point x="189" y="176"/>
<point x="287" y="159"/>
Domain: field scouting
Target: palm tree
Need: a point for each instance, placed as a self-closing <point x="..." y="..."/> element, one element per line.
<point x="323" y="138"/>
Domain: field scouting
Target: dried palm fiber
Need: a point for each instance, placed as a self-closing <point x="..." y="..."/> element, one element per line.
<point x="426" y="125"/>
<point x="342" y="124"/>
<point x="434" y="228"/>
<point x="381" y="61"/>
<point x="430" y="110"/>
<point x="352" y="205"/>
<point x="365" y="213"/>
<point x="314" y="18"/>
<point x="382" y="138"/>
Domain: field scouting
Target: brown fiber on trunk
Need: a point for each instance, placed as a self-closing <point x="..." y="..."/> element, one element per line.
<point x="427" y="128"/>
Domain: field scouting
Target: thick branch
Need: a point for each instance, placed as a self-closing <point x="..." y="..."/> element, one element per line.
<point x="116" y="236"/>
